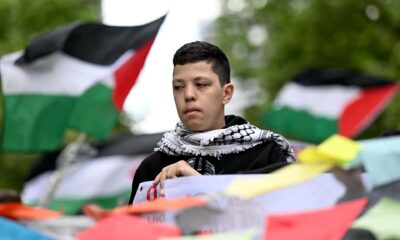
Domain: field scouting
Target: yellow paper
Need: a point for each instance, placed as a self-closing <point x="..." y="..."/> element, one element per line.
<point x="310" y="154"/>
<point x="343" y="149"/>
<point x="287" y="176"/>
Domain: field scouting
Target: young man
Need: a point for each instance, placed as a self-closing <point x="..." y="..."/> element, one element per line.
<point x="205" y="141"/>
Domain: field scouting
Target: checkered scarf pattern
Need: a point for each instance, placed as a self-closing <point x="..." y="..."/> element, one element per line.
<point x="215" y="143"/>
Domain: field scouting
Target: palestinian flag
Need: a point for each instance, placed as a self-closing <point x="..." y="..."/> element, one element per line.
<point x="77" y="76"/>
<point x="106" y="181"/>
<point x="104" y="178"/>
<point x="319" y="103"/>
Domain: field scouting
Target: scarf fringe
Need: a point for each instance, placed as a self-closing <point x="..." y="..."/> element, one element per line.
<point x="171" y="149"/>
<point x="215" y="143"/>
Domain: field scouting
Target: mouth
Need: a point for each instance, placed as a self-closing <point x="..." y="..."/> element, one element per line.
<point x="191" y="111"/>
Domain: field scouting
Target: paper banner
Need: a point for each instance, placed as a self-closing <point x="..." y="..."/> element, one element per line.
<point x="337" y="150"/>
<point x="192" y="219"/>
<point x="341" y="148"/>
<point x="352" y="180"/>
<point x="359" y="234"/>
<point x="383" y="220"/>
<point x="162" y="204"/>
<point x="10" y="230"/>
<point x="391" y="190"/>
<point x="158" y="205"/>
<point x="17" y="210"/>
<point x="328" y="224"/>
<point x="311" y="154"/>
<point x="244" y="235"/>
<point x="284" y="177"/>
<point x="380" y="157"/>
<point x="123" y="226"/>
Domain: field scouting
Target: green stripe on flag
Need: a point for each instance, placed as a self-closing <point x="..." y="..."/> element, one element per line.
<point x="71" y="206"/>
<point x="299" y="124"/>
<point x="27" y="116"/>
<point x="94" y="112"/>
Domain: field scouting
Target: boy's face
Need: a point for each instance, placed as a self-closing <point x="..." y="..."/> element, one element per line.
<point x="199" y="96"/>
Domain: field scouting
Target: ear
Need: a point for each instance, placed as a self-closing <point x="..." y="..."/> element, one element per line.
<point x="228" y="92"/>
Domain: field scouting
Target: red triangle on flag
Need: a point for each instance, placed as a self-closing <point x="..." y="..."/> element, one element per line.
<point x="363" y="110"/>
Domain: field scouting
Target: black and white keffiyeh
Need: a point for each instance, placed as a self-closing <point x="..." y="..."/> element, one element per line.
<point x="215" y="143"/>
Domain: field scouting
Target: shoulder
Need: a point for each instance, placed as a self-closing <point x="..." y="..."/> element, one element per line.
<point x="149" y="168"/>
<point x="266" y="147"/>
<point x="157" y="156"/>
<point x="276" y="149"/>
<point x="157" y="160"/>
<point x="283" y="145"/>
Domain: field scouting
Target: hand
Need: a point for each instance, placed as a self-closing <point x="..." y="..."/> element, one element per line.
<point x="175" y="170"/>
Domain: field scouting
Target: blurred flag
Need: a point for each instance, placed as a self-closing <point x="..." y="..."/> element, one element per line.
<point x="102" y="173"/>
<point x="76" y="76"/>
<point x="105" y="181"/>
<point x="319" y="103"/>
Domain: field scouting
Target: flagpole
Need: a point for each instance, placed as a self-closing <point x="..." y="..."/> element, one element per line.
<point x="66" y="158"/>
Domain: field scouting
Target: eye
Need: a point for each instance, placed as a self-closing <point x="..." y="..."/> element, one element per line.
<point x="201" y="85"/>
<point x="177" y="87"/>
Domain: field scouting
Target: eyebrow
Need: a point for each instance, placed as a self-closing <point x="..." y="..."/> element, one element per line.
<point x="177" y="80"/>
<point x="201" y="78"/>
<point x="198" y="78"/>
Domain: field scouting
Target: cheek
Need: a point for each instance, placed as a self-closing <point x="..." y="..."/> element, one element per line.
<point x="178" y="104"/>
<point x="215" y="103"/>
<point x="177" y="98"/>
<point x="216" y="98"/>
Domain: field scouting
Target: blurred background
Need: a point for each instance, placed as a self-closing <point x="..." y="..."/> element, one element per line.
<point x="267" y="42"/>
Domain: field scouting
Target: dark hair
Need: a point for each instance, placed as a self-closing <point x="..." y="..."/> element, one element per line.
<point x="204" y="51"/>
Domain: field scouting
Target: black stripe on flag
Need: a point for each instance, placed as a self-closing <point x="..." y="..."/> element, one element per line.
<point x="319" y="77"/>
<point x="91" y="42"/>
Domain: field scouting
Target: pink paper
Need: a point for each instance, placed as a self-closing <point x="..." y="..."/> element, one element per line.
<point x="327" y="224"/>
<point x="124" y="226"/>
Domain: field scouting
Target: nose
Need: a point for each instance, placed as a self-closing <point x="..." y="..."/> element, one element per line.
<point x="190" y="93"/>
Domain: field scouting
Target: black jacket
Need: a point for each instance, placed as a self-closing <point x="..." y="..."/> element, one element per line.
<point x="262" y="158"/>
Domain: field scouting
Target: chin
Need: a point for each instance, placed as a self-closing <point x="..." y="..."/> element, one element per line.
<point x="194" y="127"/>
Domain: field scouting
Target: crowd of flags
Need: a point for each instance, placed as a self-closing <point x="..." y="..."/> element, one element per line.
<point x="78" y="76"/>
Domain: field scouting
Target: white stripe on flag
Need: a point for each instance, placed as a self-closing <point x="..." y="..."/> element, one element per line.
<point x="324" y="101"/>
<point x="105" y="176"/>
<point x="58" y="74"/>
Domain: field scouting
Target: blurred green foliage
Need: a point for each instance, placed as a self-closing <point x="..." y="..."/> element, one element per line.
<point x="269" y="41"/>
<point x="20" y="21"/>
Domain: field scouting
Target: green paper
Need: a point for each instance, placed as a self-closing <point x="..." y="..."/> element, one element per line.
<point x="383" y="220"/>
